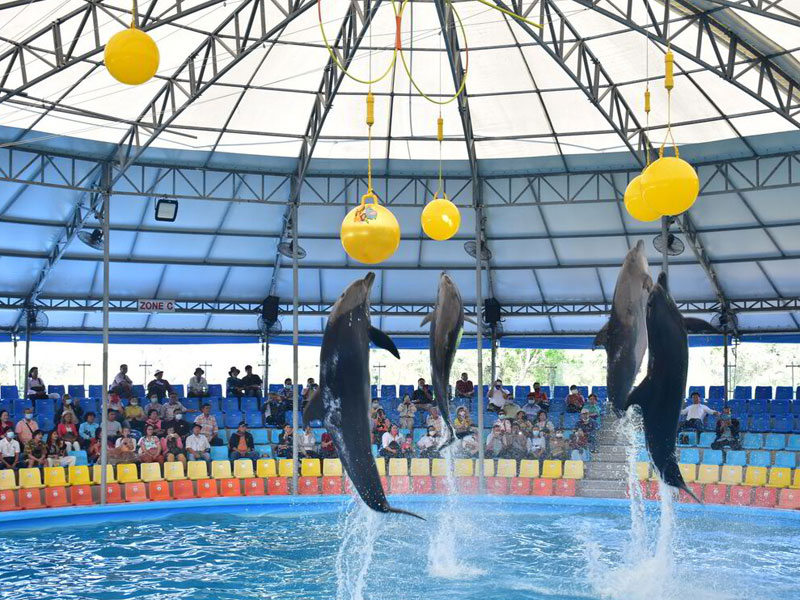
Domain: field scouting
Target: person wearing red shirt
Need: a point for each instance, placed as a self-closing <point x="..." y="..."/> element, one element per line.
<point x="6" y="424"/>
<point x="464" y="388"/>
<point x="68" y="431"/>
<point x="539" y="397"/>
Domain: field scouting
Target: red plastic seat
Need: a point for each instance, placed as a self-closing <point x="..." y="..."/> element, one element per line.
<point x="8" y="501"/>
<point x="650" y="490"/>
<point x="113" y="493"/>
<point x="715" y="493"/>
<point x="278" y="486"/>
<point x="308" y="486"/>
<point x="542" y="487"/>
<point x="183" y="489"/>
<point x="230" y="487"/>
<point x="521" y="486"/>
<point x="696" y="488"/>
<point x="422" y="484"/>
<point x="55" y="497"/>
<point x="254" y="487"/>
<point x="332" y="485"/>
<point x="135" y="492"/>
<point x="159" y="490"/>
<point x="788" y="498"/>
<point x="400" y="484"/>
<point x="467" y="485"/>
<point x="741" y="495"/>
<point x="30" y="498"/>
<point x="497" y="485"/>
<point x="766" y="497"/>
<point x="81" y="495"/>
<point x="442" y="486"/>
<point x="565" y="487"/>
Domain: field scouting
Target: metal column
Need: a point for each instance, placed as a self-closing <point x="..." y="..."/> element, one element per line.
<point x="295" y="341"/>
<point x="664" y="240"/>
<point x="479" y="342"/>
<point x="725" y="366"/>
<point x="106" y="287"/>
<point x="265" y="381"/>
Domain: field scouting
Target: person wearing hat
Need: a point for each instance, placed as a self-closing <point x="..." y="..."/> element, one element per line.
<point x="159" y="386"/>
<point x="234" y="385"/>
<point x="241" y="444"/>
<point x="197" y="386"/>
<point x="197" y="446"/>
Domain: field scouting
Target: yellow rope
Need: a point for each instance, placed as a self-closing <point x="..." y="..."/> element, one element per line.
<point x="513" y="15"/>
<point x="133" y="15"/>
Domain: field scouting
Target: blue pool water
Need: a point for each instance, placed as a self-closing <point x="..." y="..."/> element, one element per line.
<point x="469" y="548"/>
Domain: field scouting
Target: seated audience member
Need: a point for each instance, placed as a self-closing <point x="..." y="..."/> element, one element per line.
<point x="696" y="413"/>
<point x="234" y="385"/>
<point x="538" y="397"/>
<point x="498" y="397"/>
<point x="287" y="393"/>
<point x="197" y="386"/>
<point x="589" y="428"/>
<point x="467" y="446"/>
<point x="36" y="451"/>
<point x="174" y="406"/>
<point x="308" y="391"/>
<point x="407" y="410"/>
<point x="241" y="444"/>
<point x="498" y="442"/>
<point x="252" y="383"/>
<point x="307" y="444"/>
<point x="525" y="424"/>
<point x="428" y="444"/>
<point x="374" y="407"/>
<point x="592" y="406"/>
<point x="68" y="405"/>
<point x="58" y="452"/>
<point x="154" y="421"/>
<point x="390" y="443"/>
<point x="113" y="426"/>
<point x="380" y="425"/>
<point x="275" y="411"/>
<point x="422" y="397"/>
<point x="537" y="445"/>
<point x="575" y="400"/>
<point x="36" y="389"/>
<point x="6" y="424"/>
<point x="544" y="424"/>
<point x="727" y="432"/>
<point x="68" y="431"/>
<point x="115" y="404"/>
<point x="122" y="384"/>
<point x="436" y="421"/>
<point x="150" y="447"/>
<point x="208" y="425"/>
<point x="463" y="423"/>
<point x="531" y="408"/>
<point x="559" y="447"/>
<point x="178" y="425"/>
<point x="96" y="443"/>
<point x="326" y="447"/>
<point x="197" y="446"/>
<point x="159" y="386"/>
<point x="407" y="446"/>
<point x="124" y="450"/>
<point x="10" y="451"/>
<point x="285" y="441"/>
<point x="578" y="445"/>
<point x="172" y="447"/>
<point x="465" y="390"/>
<point x="87" y="430"/>
<point x="510" y="409"/>
<point x="518" y="449"/>
<point x="26" y="427"/>
<point x="155" y="405"/>
<point x="134" y="415"/>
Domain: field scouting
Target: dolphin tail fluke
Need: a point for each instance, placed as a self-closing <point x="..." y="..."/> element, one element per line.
<point x="381" y="340"/>
<point x="400" y="511"/>
<point x="641" y="394"/>
<point x="672" y="476"/>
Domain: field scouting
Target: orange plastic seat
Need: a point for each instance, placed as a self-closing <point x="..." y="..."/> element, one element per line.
<point x="8" y="501"/>
<point x="159" y="490"/>
<point x="766" y="497"/>
<point x="308" y="486"/>
<point x="497" y="485"/>
<point x="113" y="493"/>
<point x="332" y="485"/>
<point x="254" y="486"/>
<point x="715" y="493"/>
<point x="230" y="487"/>
<point x="30" y="498"/>
<point x="696" y="488"/>
<point x="400" y="484"/>
<point x="421" y="485"/>
<point x="442" y="486"/>
<point x="787" y="498"/>
<point x="521" y="486"/>
<point x="55" y="496"/>
<point x="135" y="492"/>
<point x="741" y="495"/>
<point x="467" y="485"/>
<point x="207" y="488"/>
<point x="81" y="495"/>
<point x="564" y="487"/>
<point x="278" y="486"/>
<point x="183" y="489"/>
<point x="542" y="487"/>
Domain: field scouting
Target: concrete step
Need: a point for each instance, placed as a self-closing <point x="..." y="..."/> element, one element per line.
<point x="601" y="489"/>
<point x="610" y="454"/>
<point x="606" y="471"/>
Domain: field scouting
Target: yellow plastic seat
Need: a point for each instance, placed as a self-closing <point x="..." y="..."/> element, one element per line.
<point x="285" y="467"/>
<point x="310" y="467"/>
<point x="151" y="472"/>
<point x="551" y="469"/>
<point x="55" y="477"/>
<point x="221" y="469"/>
<point x="97" y="472"/>
<point x="438" y="467"/>
<point x="243" y="469"/>
<point x="796" y="480"/>
<point x="197" y="469"/>
<point x="488" y="467"/>
<point x="127" y="473"/>
<point x="528" y="468"/>
<point x="79" y="475"/>
<point x="463" y="467"/>
<point x="731" y="475"/>
<point x="420" y="467"/>
<point x="381" y="464"/>
<point x="398" y="467"/>
<point x="708" y="474"/>
<point x="265" y="467"/>
<point x="506" y="467"/>
<point x="779" y="477"/>
<point x="643" y="470"/>
<point x="756" y="476"/>
<point x="8" y="481"/>
<point x="173" y="471"/>
<point x="332" y="467"/>
<point x="30" y="478"/>
<point x="689" y="472"/>
<point x="573" y="469"/>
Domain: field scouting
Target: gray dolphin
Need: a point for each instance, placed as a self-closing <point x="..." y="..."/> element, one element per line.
<point x="447" y="325"/>
<point x="660" y="394"/>
<point x="342" y="400"/>
<point x="625" y="335"/>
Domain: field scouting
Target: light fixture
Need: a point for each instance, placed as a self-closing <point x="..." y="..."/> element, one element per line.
<point x="92" y="238"/>
<point x="166" y="210"/>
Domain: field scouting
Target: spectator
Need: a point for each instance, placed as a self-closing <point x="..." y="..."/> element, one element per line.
<point x="326" y="448"/>
<point x="274" y="411"/>
<point x="26" y="427"/>
<point x="174" y="406"/>
<point x="124" y="450"/>
<point x="531" y="408"/>
<point x="159" y="386"/>
<point x="241" y="444"/>
<point x="518" y="449"/>
<point x="380" y="425"/>
<point x="436" y="421"/>
<point x="696" y="413"/>
<point x="468" y="446"/>
<point x="578" y="444"/>
<point x="463" y="424"/>
<point x="407" y="410"/>
<point x="593" y="407"/>
<point x="510" y="409"/>
<point x="538" y="397"/>
<point x="113" y="426"/>
<point x="154" y="421"/>
<point x="575" y="400"/>
<point x="252" y="383"/>
<point x="68" y="431"/>
<point x="197" y="446"/>
<point x="407" y="447"/>
<point x="58" y="452"/>
<point x="544" y="424"/>
<point x="115" y="404"/>
<point x="498" y="397"/>
<point x="178" y="425"/>
<point x="285" y="441"/>
<point x="122" y="384"/>
<point x="150" y="447"/>
<point x="422" y="397"/>
<point x="234" y="386"/>
<point x="208" y="425"/>
<point x="308" y="391"/>
<point x="155" y="405"/>
<point x="587" y="425"/>
<point x="287" y="393"/>
<point x="537" y="446"/>
<point x="10" y="451"/>
<point x="525" y="424"/>
<point x="94" y="446"/>
<point x="390" y="443"/>
<point x="36" y="389"/>
<point x="6" y="424"/>
<point x="374" y="407"/>
<point x="172" y="447"/>
<point x="559" y="447"/>
<point x="465" y="390"/>
<point x="497" y="442"/>
<point x="134" y="415"/>
<point x="727" y="432"/>
<point x="88" y="430"/>
<point x="36" y="451"/>
<point x="197" y="386"/>
<point x="307" y="444"/>
<point x="428" y="444"/>
<point x="68" y="405"/>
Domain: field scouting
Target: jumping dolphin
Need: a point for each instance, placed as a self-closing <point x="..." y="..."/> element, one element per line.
<point x="447" y="325"/>
<point x="342" y="399"/>
<point x="625" y="335"/>
<point x="660" y="394"/>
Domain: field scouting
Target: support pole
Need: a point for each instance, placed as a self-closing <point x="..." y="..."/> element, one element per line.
<point x="479" y="342"/>
<point x="664" y="239"/>
<point x="494" y="354"/>
<point x="265" y="382"/>
<point x="106" y="288"/>
<point x="27" y="353"/>
<point x="725" y="366"/>
<point x="295" y="342"/>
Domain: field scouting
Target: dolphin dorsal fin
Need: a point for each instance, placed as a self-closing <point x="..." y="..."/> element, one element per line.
<point x="601" y="339"/>
<point x="428" y="318"/>
<point x="695" y="325"/>
<point x="381" y="340"/>
<point x="470" y="320"/>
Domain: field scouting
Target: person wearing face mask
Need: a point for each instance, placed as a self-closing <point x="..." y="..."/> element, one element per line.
<point x="154" y="405"/>
<point x="428" y="443"/>
<point x="406" y="411"/>
<point x="9" y="451"/>
<point x="498" y="442"/>
<point x="498" y="397"/>
<point x="559" y="447"/>
<point x="134" y="415"/>
<point x="518" y="448"/>
<point x="68" y="405"/>
<point x="26" y="427"/>
<point x="178" y="424"/>
<point x="538" y="397"/>
<point x="422" y="397"/>
<point x="575" y="400"/>
<point x="174" y="405"/>
<point x="537" y="445"/>
<point x="463" y="424"/>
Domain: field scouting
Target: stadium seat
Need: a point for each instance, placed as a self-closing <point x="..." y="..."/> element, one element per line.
<point x="755" y="476"/>
<point x="763" y="392"/>
<point x="765" y="497"/>
<point x="30" y="498"/>
<point x="219" y="453"/>
<point x="81" y="459"/>
<point x="30" y="478"/>
<point x="95" y="391"/>
<point x="780" y="407"/>
<point x="405" y="389"/>
<point x="689" y="472"/>
<point x="265" y="467"/>
<point x="183" y="489"/>
<point x="420" y="467"/>
<point x="743" y="392"/>
<point x="260" y="436"/>
<point x="570" y="420"/>
<point x="207" y="488"/>
<point x="757" y="406"/>
<point x="752" y="441"/>
<point x="56" y="497"/>
<point x="277" y="486"/>
<point x="173" y="471"/>
<point x="254" y="487"/>
<point x="716" y="391"/>
<point x="243" y="469"/>
<point x="254" y="419"/>
<point x="506" y="468"/>
<point x="97" y="472"/>
<point x="232" y="419"/>
<point x="573" y="469"/>
<point x="783" y="392"/>
<point x="215" y="390"/>
<point x="793" y="442"/>
<point x="78" y="475"/>
<point x="463" y="467"/>
<point x="687" y="438"/>
<point x="731" y="474"/>
<point x="545" y="389"/>
<point x="783" y="423"/>
<point x="708" y="474"/>
<point x="561" y="392"/>
<point x="690" y="456"/>
<point x="151" y="472"/>
<point x="712" y="457"/>
<point x="286" y="467"/>
<point x="197" y="469"/>
<point x="127" y="473"/>
<point x="55" y="477"/>
<point x="551" y="469"/>
<point x="312" y="467"/>
<point x="760" y="422"/>
<point x="786" y="459"/>
<point x="583" y="390"/>
<point x="529" y="468"/>
<point x="398" y="467"/>
<point x="715" y="404"/>
<point x="706" y="438"/>
<point x="56" y="389"/>
<point x="600" y="391"/>
<point x="738" y="406"/>
<point x="388" y="392"/>
<point x="542" y="487"/>
<point x="760" y="458"/>
<point x="438" y="467"/>
<point x="221" y="469"/>
<point x="700" y="389"/>
<point x="45" y="406"/>
<point x="76" y="391"/>
<point x="789" y="499"/>
<point x="779" y="477"/>
<point x="135" y="492"/>
<point x="9" y="392"/>
<point x="521" y="392"/>
<point x="642" y="470"/>
<point x="774" y="441"/>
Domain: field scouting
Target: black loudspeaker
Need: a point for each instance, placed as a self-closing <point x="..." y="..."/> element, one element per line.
<point x="491" y="311"/>
<point x="269" y="309"/>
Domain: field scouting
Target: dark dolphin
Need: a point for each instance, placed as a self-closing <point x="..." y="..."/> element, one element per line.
<point x="343" y="399"/>
<point x="660" y="394"/>
<point x="625" y="335"/>
<point x="447" y="325"/>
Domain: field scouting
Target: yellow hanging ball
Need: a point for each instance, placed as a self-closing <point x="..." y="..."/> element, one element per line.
<point x="440" y="219"/>
<point x="670" y="185"/>
<point x="131" y="56"/>
<point x="370" y="232"/>
<point x="635" y="204"/>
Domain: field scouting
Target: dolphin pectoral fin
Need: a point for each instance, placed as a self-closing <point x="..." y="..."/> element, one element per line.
<point x="642" y="393"/>
<point x="695" y="325"/>
<point x="601" y="339"/>
<point x="470" y="320"/>
<point x="315" y="410"/>
<point x="428" y="318"/>
<point x="381" y="340"/>
<point x="400" y="511"/>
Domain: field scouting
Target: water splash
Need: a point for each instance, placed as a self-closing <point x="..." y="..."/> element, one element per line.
<point x="359" y="528"/>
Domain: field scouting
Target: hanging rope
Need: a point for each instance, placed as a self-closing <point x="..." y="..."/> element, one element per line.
<point x="133" y="15"/>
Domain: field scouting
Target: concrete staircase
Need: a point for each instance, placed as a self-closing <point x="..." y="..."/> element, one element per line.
<point x="606" y="475"/>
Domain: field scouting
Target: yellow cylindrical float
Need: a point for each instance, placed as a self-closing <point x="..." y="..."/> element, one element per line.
<point x="131" y="56"/>
<point x="370" y="232"/>
<point x="670" y="186"/>
<point x="635" y="204"/>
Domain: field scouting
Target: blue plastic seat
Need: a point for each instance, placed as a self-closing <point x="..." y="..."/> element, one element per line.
<point x="795" y="407"/>
<point x="793" y="443"/>
<point x="583" y="390"/>
<point x="545" y="389"/>
<point x="316" y="423"/>
<point x="215" y="389"/>
<point x="56" y="389"/>
<point x="76" y="391"/>
<point x="81" y="459"/>
<point x="736" y="458"/>
<point x="521" y="392"/>
<point x="213" y="402"/>
<point x="89" y="405"/>
<point x="783" y="424"/>
<point x="558" y="405"/>
<point x="780" y="407"/>
<point x="753" y="441"/>
<point x="290" y="416"/>
<point x="219" y="453"/>
<point x="233" y="418"/>
<point x="318" y="431"/>
<point x="600" y="391"/>
<point x="570" y="420"/>
<point x="260" y="436"/>
<point x="418" y="434"/>
<point x="230" y="404"/>
<point x="21" y="404"/>
<point x="757" y="406"/>
<point x="273" y="388"/>
<point x="712" y="457"/>
<point x="717" y="392"/>
<point x="687" y="438"/>
<point x="760" y="423"/>
<point x="797" y="393"/>
<point x="690" y="456"/>
<point x="760" y="458"/>
<point x="373" y="391"/>
<point x="715" y="404"/>
<point x="254" y="419"/>
<point x="774" y="441"/>
<point x="561" y="392"/>
<point x="191" y="403"/>
<point x="743" y="392"/>
<point x="9" y="392"/>
<point x="45" y="422"/>
<point x="388" y="391"/>
<point x="783" y="392"/>
<point x="706" y="438"/>
<point x="700" y="389"/>
<point x="264" y="450"/>
<point x="274" y="435"/>
<point x="786" y="459"/>
<point x="763" y="392"/>
<point x="95" y="391"/>
<point x="223" y="433"/>
<point x="643" y="456"/>
<point x="711" y="423"/>
<point x="405" y="389"/>
<point x="138" y="391"/>
<point x="249" y="404"/>
<point x="178" y="389"/>
<point x="738" y="405"/>
<point x="46" y="406"/>
<point x="796" y="428"/>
